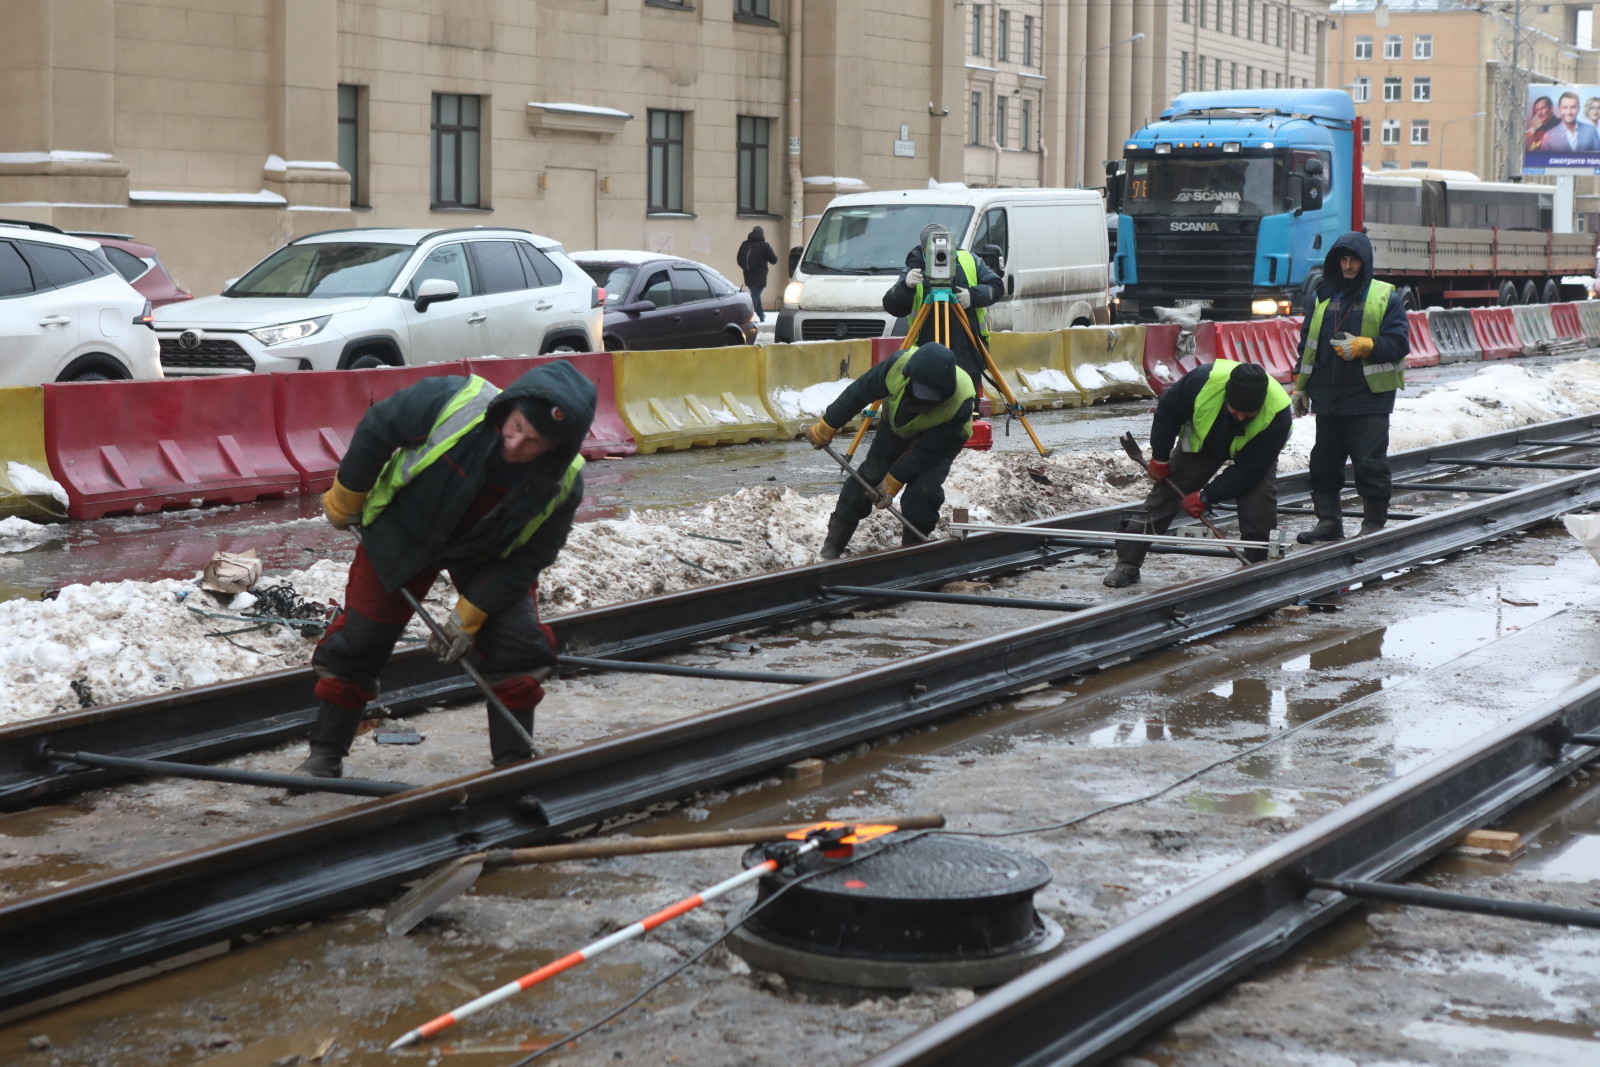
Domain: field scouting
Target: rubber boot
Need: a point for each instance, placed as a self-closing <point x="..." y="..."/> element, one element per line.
<point x="839" y="533"/>
<point x="1374" y="514"/>
<point x="1122" y="574"/>
<point x="520" y="693"/>
<point x="1130" y="554"/>
<point x="331" y="736"/>
<point x="1330" y="526"/>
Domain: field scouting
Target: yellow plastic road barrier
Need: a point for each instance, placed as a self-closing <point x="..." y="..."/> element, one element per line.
<point x="1107" y="361"/>
<point x="686" y="397"/>
<point x="22" y="442"/>
<point x="1034" y="366"/>
<point x="799" y="380"/>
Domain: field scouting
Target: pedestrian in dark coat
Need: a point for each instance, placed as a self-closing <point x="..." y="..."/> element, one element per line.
<point x="453" y="474"/>
<point x="755" y="255"/>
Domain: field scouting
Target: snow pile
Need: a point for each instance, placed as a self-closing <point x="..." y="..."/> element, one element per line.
<point x="19" y="535"/>
<point x="809" y="402"/>
<point x="1046" y="380"/>
<point x="30" y="482"/>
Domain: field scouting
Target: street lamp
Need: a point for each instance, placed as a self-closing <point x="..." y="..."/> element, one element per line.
<point x="1446" y="126"/>
<point x="1083" y="70"/>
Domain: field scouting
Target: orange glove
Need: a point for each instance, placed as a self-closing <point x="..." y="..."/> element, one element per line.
<point x="887" y="490"/>
<point x="459" y="630"/>
<point x="820" y="435"/>
<point x="342" y="506"/>
<point x="1352" y="347"/>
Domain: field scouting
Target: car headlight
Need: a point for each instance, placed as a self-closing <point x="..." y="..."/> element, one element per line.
<point x="291" y="331"/>
<point x="792" y="291"/>
<point x="1263" y="307"/>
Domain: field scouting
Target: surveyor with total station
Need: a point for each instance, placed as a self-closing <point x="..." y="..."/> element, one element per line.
<point x="1353" y="348"/>
<point x="974" y="287"/>
<point x="1223" y="416"/>
<point x="453" y="474"/>
<point x="926" y="417"/>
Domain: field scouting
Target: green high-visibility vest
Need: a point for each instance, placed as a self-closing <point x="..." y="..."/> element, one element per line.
<point x="1208" y="405"/>
<point x="943" y="413"/>
<point x="969" y="270"/>
<point x="1380" y="377"/>
<point x="456" y="419"/>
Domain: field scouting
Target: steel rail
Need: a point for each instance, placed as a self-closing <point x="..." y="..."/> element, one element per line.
<point x="1104" y="996"/>
<point x="212" y="722"/>
<point x="103" y="925"/>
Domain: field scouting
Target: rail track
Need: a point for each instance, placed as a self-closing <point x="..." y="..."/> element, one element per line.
<point x="107" y="924"/>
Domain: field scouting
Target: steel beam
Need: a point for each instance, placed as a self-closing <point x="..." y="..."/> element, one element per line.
<point x="878" y="592"/>
<point x="593" y="663"/>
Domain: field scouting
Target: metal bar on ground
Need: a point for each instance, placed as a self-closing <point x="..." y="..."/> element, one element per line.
<point x="1303" y="509"/>
<point x="593" y="663"/>
<point x="1437" y="487"/>
<point x="957" y="598"/>
<point x="1557" y="444"/>
<point x="168" y="769"/>
<point x="1520" y="464"/>
<point x="1421" y="896"/>
<point x="1149" y="539"/>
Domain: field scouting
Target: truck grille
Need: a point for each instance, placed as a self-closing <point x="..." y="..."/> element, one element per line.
<point x="1219" y="267"/>
<point x="839" y="329"/>
<point x="211" y="353"/>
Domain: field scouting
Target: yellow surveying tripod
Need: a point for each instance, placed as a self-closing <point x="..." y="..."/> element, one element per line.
<point x="940" y="301"/>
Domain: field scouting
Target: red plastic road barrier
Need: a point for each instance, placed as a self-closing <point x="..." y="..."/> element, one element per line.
<point x="386" y="381"/>
<point x="314" y="413"/>
<point x="1566" y="321"/>
<point x="1496" y="331"/>
<point x="1162" y="363"/>
<point x="1269" y="344"/>
<point x="608" y="434"/>
<point x="1424" y="352"/>
<point x="122" y="447"/>
<point x="884" y="347"/>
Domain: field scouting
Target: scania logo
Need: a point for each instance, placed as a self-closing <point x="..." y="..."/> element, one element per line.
<point x="1194" y="227"/>
<point x="190" y="339"/>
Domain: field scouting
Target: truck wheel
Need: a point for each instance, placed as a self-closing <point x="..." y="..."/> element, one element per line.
<point x="1308" y="290"/>
<point x="1409" y="299"/>
<point x="1551" y="293"/>
<point x="1530" y="293"/>
<point x="1508" y="294"/>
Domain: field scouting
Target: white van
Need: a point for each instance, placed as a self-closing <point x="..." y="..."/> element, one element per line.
<point x="1052" y="246"/>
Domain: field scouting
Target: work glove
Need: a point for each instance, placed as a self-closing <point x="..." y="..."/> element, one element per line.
<point x="342" y="506"/>
<point x="459" y="630"/>
<point x="964" y="297"/>
<point x="913" y="277"/>
<point x="1302" y="404"/>
<point x="887" y="490"/>
<point x="1159" y="469"/>
<point x="1195" y="504"/>
<point x="1352" y="347"/>
<point x="820" y="435"/>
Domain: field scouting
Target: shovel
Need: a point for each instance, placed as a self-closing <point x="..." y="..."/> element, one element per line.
<point x="457" y="876"/>
<point x="1135" y="453"/>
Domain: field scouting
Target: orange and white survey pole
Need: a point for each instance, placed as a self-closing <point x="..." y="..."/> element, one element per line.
<point x="834" y="839"/>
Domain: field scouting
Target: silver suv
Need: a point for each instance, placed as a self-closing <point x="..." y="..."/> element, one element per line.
<point x="368" y="298"/>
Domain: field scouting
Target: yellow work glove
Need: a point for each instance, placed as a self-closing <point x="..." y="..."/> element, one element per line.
<point x="1352" y="347"/>
<point x="887" y="490"/>
<point x="820" y="435"/>
<point x="342" y="506"/>
<point x="459" y="629"/>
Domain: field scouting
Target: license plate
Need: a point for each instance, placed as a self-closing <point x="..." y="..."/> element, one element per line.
<point x="1191" y="303"/>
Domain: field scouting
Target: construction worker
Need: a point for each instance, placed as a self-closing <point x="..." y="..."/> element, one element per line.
<point x="975" y="287"/>
<point x="453" y="474"/>
<point x="927" y="416"/>
<point x="1230" y="415"/>
<point x="1362" y="322"/>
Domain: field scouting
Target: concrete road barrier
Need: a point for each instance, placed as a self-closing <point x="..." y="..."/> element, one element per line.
<point x="797" y="382"/>
<point x="1107" y="362"/>
<point x="1452" y="332"/>
<point x="682" y="398"/>
<point x="1034" y="366"/>
<point x="22" y="444"/>
<point x="1534" y="326"/>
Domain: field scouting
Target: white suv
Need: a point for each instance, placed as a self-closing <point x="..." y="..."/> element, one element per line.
<point x="65" y="314"/>
<point x="367" y="298"/>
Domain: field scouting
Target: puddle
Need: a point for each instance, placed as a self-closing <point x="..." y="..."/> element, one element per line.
<point x="1522" y="1041"/>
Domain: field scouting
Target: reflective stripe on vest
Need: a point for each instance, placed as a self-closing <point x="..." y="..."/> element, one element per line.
<point x="969" y="267"/>
<point x="531" y="527"/>
<point x="463" y="412"/>
<point x="1380" y="377"/>
<point x="943" y="413"/>
<point x="1208" y="405"/>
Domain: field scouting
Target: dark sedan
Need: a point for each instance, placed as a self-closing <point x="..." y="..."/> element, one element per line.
<point x="656" y="301"/>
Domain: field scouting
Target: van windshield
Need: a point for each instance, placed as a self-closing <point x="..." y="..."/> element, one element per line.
<point x="874" y="238"/>
<point x="324" y="269"/>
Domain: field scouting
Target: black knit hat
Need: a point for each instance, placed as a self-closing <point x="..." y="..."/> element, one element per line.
<point x="549" y="420"/>
<point x="1247" y="388"/>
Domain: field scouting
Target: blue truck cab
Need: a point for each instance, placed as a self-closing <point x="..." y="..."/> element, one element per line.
<point x="1230" y="200"/>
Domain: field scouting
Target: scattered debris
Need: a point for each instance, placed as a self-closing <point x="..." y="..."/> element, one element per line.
<point x="231" y="573"/>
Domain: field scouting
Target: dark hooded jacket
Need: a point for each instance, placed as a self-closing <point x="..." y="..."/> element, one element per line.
<point x="423" y="523"/>
<point x="1255" y="461"/>
<point x="932" y="365"/>
<point x="754" y="256"/>
<point x="1339" y="387"/>
<point x="900" y="297"/>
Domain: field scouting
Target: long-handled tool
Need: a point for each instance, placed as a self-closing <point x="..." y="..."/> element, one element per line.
<point x="872" y="490"/>
<point x="496" y="706"/>
<point x="828" y="837"/>
<point x="457" y="876"/>
<point x="1135" y="453"/>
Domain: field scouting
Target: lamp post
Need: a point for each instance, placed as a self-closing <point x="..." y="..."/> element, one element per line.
<point x="1446" y="126"/>
<point x="1083" y="71"/>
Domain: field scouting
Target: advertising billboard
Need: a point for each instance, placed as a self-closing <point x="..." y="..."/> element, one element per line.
<point x="1561" y="130"/>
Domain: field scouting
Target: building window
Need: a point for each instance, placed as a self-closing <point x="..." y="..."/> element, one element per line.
<point x="1421" y="90"/>
<point x="1185" y="15"/>
<point x="350" y="155"/>
<point x="1363" y="47"/>
<point x="1233" y="75"/>
<point x="975" y="120"/>
<point x="755" y="140"/>
<point x="977" y="29"/>
<point x="1000" y="121"/>
<point x="1002" y="35"/>
<point x="1366" y="133"/>
<point x="666" y="160"/>
<point x="1391" y="131"/>
<point x="1391" y="46"/>
<point x="1419" y="131"/>
<point x="1389" y="164"/>
<point x="1422" y="46"/>
<point x="1025" y="141"/>
<point x="1249" y="77"/>
<point x="1361" y="90"/>
<point x="1027" y="41"/>
<point x="753" y="9"/>
<point x="457" y="138"/>
<point x="1183" y="72"/>
<point x="1199" y="72"/>
<point x="1216" y="73"/>
<point x="1391" y="90"/>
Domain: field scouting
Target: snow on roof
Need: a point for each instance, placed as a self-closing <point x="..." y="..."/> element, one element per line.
<point x="582" y="109"/>
<point x="54" y="154"/>
<point x="185" y="197"/>
<point x="276" y="163"/>
<point x="828" y="179"/>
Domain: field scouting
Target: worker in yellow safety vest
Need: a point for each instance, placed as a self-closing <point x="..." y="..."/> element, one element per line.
<point x="975" y="287"/>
